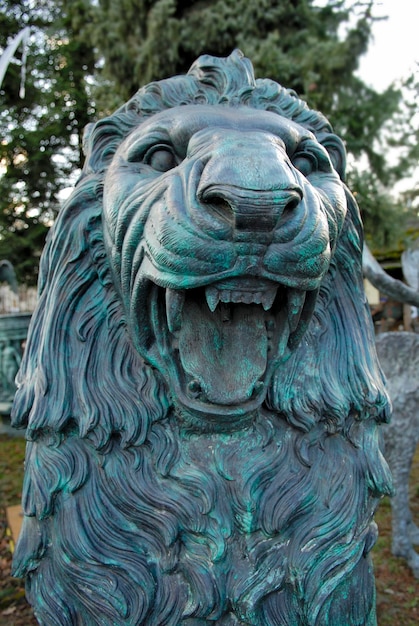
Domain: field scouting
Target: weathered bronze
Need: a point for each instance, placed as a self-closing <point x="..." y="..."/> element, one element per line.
<point x="201" y="390"/>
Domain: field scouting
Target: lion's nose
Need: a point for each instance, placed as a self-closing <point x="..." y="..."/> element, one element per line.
<point x="248" y="182"/>
<point x="249" y="209"/>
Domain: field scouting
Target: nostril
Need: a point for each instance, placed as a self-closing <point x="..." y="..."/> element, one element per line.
<point x="293" y="200"/>
<point x="218" y="205"/>
<point x="292" y="204"/>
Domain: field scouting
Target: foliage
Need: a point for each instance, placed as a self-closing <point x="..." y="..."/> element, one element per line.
<point x="12" y="456"/>
<point x="294" y="41"/>
<point x="42" y="132"/>
<point x="384" y="218"/>
<point x="404" y="136"/>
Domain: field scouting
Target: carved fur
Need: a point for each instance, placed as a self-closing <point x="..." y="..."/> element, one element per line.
<point x="134" y="514"/>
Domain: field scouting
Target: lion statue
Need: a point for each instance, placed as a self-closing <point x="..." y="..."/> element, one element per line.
<point x="200" y="388"/>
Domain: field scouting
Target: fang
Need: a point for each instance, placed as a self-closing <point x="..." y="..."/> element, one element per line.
<point x="175" y="300"/>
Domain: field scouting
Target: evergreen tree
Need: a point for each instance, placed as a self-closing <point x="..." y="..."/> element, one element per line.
<point x="41" y="145"/>
<point x="389" y="213"/>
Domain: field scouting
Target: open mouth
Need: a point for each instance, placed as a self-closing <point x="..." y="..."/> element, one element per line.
<point x="220" y="343"/>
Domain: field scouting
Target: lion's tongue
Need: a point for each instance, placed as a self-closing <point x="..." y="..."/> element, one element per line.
<point x="224" y="353"/>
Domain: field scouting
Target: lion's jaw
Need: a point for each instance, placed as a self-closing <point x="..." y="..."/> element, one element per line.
<point x="219" y="245"/>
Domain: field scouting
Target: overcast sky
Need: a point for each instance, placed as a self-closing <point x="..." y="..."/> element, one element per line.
<point x="395" y="48"/>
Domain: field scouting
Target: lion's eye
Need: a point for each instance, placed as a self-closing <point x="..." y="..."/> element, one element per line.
<point x="311" y="157"/>
<point x="160" y="158"/>
<point x="305" y="163"/>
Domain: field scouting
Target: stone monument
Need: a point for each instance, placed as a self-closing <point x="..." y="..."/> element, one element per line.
<point x="399" y="357"/>
<point x="200" y="388"/>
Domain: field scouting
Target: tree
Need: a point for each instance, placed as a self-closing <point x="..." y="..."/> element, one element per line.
<point x="42" y="133"/>
<point x="293" y="41"/>
<point x="312" y="49"/>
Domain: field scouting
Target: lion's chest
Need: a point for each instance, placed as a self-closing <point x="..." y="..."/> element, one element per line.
<point x="209" y="522"/>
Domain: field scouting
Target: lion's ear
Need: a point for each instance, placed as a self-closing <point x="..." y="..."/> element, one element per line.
<point x="100" y="142"/>
<point x="87" y="132"/>
<point x="337" y="152"/>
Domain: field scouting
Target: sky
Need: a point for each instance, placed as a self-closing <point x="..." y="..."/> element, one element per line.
<point x="395" y="48"/>
<point x="393" y="54"/>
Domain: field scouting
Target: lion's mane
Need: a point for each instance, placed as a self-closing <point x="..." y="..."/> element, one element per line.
<point x="130" y="521"/>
